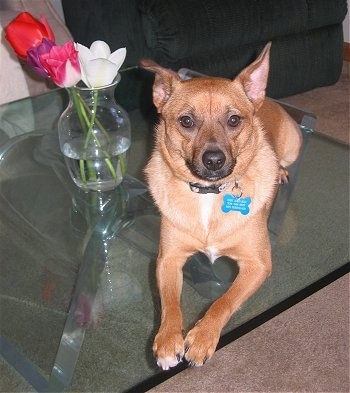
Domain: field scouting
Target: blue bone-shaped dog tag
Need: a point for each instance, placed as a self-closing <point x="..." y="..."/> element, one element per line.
<point x="234" y="203"/>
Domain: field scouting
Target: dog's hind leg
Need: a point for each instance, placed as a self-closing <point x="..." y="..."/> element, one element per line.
<point x="283" y="176"/>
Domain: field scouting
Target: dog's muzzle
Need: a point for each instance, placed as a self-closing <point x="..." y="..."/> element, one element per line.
<point x="212" y="165"/>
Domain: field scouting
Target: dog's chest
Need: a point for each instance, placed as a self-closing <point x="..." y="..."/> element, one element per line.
<point x="206" y="206"/>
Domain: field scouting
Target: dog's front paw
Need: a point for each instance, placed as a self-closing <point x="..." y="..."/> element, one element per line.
<point x="168" y="348"/>
<point x="200" y="344"/>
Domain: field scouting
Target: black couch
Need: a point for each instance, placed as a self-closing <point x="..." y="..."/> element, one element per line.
<point x="220" y="37"/>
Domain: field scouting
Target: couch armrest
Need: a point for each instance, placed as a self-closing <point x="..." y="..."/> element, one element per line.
<point x="16" y="80"/>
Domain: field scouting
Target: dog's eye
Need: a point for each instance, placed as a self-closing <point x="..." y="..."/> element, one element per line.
<point x="233" y="121"/>
<point x="186" y="121"/>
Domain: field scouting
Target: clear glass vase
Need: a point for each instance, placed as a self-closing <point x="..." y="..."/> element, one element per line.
<point x="95" y="135"/>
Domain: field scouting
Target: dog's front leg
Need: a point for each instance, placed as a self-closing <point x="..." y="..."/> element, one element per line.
<point x="168" y="345"/>
<point x="202" y="339"/>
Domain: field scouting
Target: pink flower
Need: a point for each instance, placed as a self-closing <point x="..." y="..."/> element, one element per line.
<point x="62" y="64"/>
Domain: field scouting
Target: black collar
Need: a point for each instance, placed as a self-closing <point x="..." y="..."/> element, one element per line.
<point x="212" y="189"/>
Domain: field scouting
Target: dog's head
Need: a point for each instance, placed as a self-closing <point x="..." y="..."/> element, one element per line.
<point x="206" y="129"/>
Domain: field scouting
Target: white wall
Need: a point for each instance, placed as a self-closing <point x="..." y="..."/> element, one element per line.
<point x="346" y="26"/>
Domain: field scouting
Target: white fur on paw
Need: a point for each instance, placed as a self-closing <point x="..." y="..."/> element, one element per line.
<point x="167" y="362"/>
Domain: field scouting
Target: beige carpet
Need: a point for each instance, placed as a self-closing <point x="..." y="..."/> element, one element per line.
<point x="331" y="106"/>
<point x="306" y="348"/>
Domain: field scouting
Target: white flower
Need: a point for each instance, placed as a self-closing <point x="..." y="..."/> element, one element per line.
<point x="98" y="65"/>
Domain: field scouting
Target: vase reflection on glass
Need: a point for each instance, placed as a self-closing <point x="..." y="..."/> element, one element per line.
<point x="95" y="135"/>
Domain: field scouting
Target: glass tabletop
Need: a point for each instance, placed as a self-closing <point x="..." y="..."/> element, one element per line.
<point x="79" y="303"/>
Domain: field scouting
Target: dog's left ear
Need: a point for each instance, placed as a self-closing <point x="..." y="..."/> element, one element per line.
<point x="163" y="83"/>
<point x="254" y="77"/>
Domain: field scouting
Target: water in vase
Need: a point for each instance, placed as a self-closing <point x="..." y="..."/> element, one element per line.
<point x="96" y="168"/>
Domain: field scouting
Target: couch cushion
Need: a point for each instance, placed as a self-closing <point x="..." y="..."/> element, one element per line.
<point x="115" y="22"/>
<point x="24" y="81"/>
<point x="298" y="63"/>
<point x="178" y="29"/>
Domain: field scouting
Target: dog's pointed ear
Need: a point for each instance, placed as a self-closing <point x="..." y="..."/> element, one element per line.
<point x="163" y="83"/>
<point x="254" y="77"/>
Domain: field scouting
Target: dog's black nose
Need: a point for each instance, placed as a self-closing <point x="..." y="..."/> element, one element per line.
<point x="213" y="159"/>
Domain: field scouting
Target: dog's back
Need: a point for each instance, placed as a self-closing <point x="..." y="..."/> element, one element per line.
<point x="282" y="131"/>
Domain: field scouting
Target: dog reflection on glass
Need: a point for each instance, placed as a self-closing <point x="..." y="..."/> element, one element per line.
<point x="221" y="150"/>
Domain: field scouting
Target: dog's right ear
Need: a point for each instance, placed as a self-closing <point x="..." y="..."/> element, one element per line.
<point x="164" y="82"/>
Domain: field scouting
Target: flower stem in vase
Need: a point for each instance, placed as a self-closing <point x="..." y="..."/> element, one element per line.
<point x="88" y="119"/>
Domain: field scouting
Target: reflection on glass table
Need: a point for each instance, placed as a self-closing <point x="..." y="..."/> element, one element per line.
<point x="61" y="237"/>
<point x="79" y="303"/>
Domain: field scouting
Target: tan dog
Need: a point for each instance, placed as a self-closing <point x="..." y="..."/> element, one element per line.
<point x="221" y="150"/>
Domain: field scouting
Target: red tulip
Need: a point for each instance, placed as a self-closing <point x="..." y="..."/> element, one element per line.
<point x="26" y="32"/>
